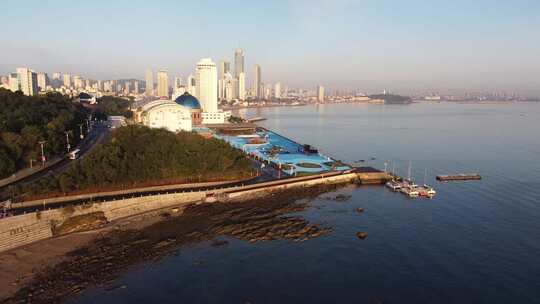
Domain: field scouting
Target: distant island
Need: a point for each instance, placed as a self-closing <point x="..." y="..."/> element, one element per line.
<point x="392" y="99"/>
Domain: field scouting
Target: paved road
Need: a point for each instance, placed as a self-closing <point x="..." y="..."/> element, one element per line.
<point x="97" y="135"/>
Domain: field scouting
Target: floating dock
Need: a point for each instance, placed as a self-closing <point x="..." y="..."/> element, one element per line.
<point x="457" y="177"/>
<point x="254" y="119"/>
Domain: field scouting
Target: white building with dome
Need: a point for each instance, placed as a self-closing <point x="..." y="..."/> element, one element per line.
<point x="165" y="114"/>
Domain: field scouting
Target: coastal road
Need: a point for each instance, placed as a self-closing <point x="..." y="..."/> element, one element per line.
<point x="97" y="135"/>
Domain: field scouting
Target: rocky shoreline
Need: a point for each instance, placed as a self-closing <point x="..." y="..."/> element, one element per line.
<point x="103" y="260"/>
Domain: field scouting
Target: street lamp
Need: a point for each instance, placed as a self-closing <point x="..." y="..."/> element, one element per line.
<point x="42" y="153"/>
<point x="80" y="128"/>
<point x="67" y="141"/>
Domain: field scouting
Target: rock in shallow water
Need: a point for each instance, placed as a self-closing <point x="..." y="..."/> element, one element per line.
<point x="361" y="235"/>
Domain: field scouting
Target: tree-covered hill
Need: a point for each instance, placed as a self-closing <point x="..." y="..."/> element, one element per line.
<point x="136" y="155"/>
<point x="113" y="106"/>
<point x="27" y="120"/>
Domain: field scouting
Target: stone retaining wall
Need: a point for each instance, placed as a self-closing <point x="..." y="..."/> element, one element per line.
<point x="28" y="228"/>
<point x="24" y="229"/>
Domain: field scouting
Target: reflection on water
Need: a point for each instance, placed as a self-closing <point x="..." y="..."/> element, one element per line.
<point x="253" y="221"/>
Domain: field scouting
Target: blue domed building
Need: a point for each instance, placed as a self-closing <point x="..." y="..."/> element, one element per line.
<point x="191" y="103"/>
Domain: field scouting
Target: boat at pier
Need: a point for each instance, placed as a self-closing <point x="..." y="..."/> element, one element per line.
<point x="410" y="191"/>
<point x="394" y="185"/>
<point x="426" y="190"/>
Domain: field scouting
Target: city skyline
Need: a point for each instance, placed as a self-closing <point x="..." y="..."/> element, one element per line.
<point x="372" y="46"/>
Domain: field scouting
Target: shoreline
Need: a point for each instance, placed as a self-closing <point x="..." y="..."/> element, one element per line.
<point x="93" y="258"/>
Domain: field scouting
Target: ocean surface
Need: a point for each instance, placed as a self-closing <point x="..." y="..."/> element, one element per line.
<point x="475" y="242"/>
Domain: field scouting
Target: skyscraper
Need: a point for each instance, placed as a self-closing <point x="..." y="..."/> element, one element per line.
<point x="277" y="90"/>
<point x="77" y="81"/>
<point x="224" y="68"/>
<point x="207" y="84"/>
<point x="267" y="91"/>
<point x="242" y="86"/>
<point x="67" y="80"/>
<point x="257" y="89"/>
<point x="177" y="82"/>
<point x="42" y="81"/>
<point x="136" y="87"/>
<point x="191" y="85"/>
<point x="230" y="87"/>
<point x="238" y="62"/>
<point x="13" y="80"/>
<point x="149" y="83"/>
<point x="163" y="83"/>
<point x="320" y="93"/>
<point x="27" y="80"/>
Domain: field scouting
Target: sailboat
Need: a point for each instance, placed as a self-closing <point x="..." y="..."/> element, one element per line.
<point x="426" y="190"/>
<point x="408" y="186"/>
<point x="393" y="184"/>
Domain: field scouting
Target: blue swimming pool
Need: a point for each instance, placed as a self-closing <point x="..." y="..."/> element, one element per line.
<point x="283" y="152"/>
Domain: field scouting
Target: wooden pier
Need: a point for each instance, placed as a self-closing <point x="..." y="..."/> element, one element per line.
<point x="459" y="177"/>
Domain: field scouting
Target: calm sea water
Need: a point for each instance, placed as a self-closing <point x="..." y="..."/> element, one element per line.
<point x="475" y="242"/>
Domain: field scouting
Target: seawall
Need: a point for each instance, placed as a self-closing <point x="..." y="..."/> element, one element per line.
<point x="31" y="227"/>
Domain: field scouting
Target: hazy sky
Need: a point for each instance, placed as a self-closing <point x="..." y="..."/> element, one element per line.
<point x="370" y="45"/>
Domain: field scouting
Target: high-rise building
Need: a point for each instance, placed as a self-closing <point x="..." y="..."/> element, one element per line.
<point x="67" y="80"/>
<point x="99" y="85"/>
<point x="177" y="82"/>
<point x="320" y="93"/>
<point x="27" y="81"/>
<point x="191" y="85"/>
<point x="56" y="75"/>
<point x="42" y="81"/>
<point x="242" y="86"/>
<point x="136" y="87"/>
<point x="149" y="83"/>
<point x="221" y="89"/>
<point x="257" y="88"/>
<point x="230" y="91"/>
<point x="277" y="90"/>
<point x="13" y="81"/>
<point x="77" y="81"/>
<point x="238" y="62"/>
<point x="267" y="91"/>
<point x="207" y="84"/>
<point x="162" y="83"/>
<point x="108" y="86"/>
<point x="126" y="88"/>
<point x="224" y="68"/>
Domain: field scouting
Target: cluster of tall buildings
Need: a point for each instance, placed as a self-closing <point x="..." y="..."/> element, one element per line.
<point x="230" y="83"/>
<point x="25" y="80"/>
<point x="32" y="83"/>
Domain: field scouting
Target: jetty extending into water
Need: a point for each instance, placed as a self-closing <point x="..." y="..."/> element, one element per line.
<point x="459" y="177"/>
